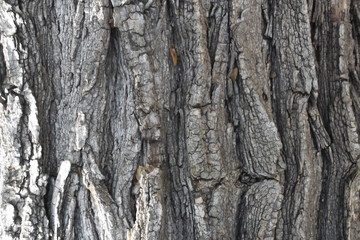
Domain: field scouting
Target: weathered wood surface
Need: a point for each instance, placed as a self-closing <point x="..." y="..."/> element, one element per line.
<point x="168" y="119"/>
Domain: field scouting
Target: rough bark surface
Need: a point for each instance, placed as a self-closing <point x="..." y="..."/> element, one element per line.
<point x="168" y="119"/>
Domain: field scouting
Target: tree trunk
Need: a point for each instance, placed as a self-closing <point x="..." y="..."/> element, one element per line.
<point x="168" y="119"/>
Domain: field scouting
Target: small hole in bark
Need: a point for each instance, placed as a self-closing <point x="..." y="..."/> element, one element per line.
<point x="246" y="178"/>
<point x="240" y="13"/>
<point x="264" y="96"/>
<point x="273" y="74"/>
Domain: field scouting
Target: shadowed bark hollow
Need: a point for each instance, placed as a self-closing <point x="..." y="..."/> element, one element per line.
<point x="190" y="119"/>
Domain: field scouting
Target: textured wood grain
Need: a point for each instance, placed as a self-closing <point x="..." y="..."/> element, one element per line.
<point x="179" y="119"/>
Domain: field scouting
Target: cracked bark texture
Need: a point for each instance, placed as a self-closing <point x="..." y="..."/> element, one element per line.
<point x="168" y="119"/>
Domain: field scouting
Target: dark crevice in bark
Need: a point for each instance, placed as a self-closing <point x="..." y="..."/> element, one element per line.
<point x="355" y="95"/>
<point x="182" y="202"/>
<point x="327" y="74"/>
<point x="355" y="22"/>
<point x="275" y="67"/>
<point x="2" y="71"/>
<point x="333" y="204"/>
<point x="175" y="43"/>
<point x="248" y="179"/>
<point x="111" y="72"/>
<point x="322" y="212"/>
<point x="41" y="82"/>
<point x="77" y="220"/>
<point x="216" y="14"/>
<point x="333" y="198"/>
<point x="266" y="18"/>
<point x="350" y="177"/>
<point x="241" y="233"/>
<point x="171" y="16"/>
<point x="314" y="30"/>
<point x="179" y="199"/>
<point x="274" y="84"/>
<point x="229" y="112"/>
<point x="24" y="131"/>
<point x="288" y="210"/>
<point x="66" y="210"/>
<point x="355" y="73"/>
<point x="48" y="197"/>
<point x="338" y="206"/>
<point x="95" y="230"/>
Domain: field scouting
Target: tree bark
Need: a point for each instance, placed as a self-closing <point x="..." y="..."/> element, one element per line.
<point x="168" y="119"/>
